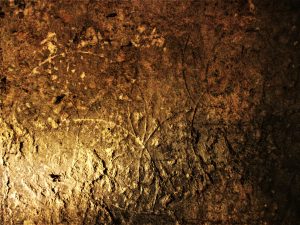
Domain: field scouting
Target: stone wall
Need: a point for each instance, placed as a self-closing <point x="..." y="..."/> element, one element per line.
<point x="149" y="112"/>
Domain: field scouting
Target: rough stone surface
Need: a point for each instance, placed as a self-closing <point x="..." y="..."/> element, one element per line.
<point x="149" y="112"/>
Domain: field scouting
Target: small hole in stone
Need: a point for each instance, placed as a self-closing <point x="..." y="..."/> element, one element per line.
<point x="21" y="15"/>
<point x="3" y="80"/>
<point x="2" y="14"/>
<point x="55" y="177"/>
<point x="110" y="15"/>
<point x="59" y="98"/>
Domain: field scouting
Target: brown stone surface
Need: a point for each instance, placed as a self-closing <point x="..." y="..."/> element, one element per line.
<point x="149" y="112"/>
